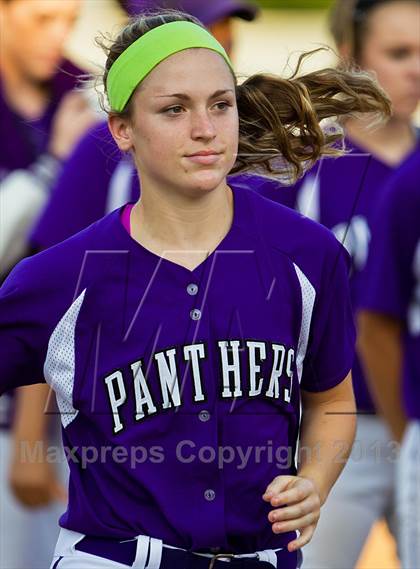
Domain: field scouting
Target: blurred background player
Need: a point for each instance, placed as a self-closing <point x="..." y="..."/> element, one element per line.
<point x="390" y="338"/>
<point x="41" y="119"/>
<point x="381" y="36"/>
<point x="93" y="181"/>
<point x="97" y="178"/>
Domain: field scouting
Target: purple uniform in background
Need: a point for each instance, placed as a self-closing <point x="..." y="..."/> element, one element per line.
<point x="394" y="271"/>
<point x="343" y="194"/>
<point x="144" y="354"/>
<point x="24" y="140"/>
<point x="95" y="181"/>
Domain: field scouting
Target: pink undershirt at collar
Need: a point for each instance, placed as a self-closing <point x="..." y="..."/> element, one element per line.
<point x="125" y="217"/>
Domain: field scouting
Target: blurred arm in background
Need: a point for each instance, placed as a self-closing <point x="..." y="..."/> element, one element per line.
<point x="389" y="339"/>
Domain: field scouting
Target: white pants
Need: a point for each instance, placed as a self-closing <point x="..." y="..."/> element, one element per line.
<point x="364" y="493"/>
<point x="409" y="497"/>
<point x="67" y="557"/>
<point x="27" y="536"/>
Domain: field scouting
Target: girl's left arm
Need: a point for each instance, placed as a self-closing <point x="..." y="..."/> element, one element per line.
<point x="326" y="438"/>
<point x="327" y="434"/>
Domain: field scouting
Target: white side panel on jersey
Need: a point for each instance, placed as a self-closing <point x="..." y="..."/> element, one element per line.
<point x="59" y="366"/>
<point x="119" y="189"/>
<point x="307" y="202"/>
<point x="413" y="316"/>
<point x="308" y="301"/>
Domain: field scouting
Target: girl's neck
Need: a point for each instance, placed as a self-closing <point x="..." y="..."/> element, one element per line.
<point x="181" y="228"/>
<point x="390" y="143"/>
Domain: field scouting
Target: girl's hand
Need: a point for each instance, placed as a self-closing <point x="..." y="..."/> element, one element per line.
<point x="297" y="506"/>
<point x="35" y="483"/>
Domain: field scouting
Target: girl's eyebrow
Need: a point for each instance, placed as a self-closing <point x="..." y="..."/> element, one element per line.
<point x="186" y="97"/>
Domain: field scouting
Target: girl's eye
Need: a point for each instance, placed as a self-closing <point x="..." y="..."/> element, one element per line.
<point x="223" y="105"/>
<point x="399" y="53"/>
<point x="176" y="110"/>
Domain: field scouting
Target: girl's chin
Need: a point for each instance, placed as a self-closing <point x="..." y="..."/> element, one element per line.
<point x="206" y="181"/>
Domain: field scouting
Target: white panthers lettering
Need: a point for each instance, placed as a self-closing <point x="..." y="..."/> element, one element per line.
<point x="235" y="382"/>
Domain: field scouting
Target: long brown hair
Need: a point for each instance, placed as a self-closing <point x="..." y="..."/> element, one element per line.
<point x="280" y="131"/>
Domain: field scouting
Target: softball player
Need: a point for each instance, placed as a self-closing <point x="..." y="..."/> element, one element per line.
<point x="42" y="117"/>
<point x="393" y="303"/>
<point x="183" y="334"/>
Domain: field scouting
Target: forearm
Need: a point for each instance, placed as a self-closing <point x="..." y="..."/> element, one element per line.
<point x="327" y="434"/>
<point x="31" y="420"/>
<point x="32" y="476"/>
<point x="380" y="349"/>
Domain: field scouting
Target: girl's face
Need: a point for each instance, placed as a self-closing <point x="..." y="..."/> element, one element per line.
<point x="184" y="126"/>
<point x="391" y="48"/>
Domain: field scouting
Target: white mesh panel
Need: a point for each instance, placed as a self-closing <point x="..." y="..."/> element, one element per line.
<point x="308" y="301"/>
<point x="59" y="364"/>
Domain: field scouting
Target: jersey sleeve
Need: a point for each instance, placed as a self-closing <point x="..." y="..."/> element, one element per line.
<point x="23" y="338"/>
<point x="394" y="237"/>
<point x="330" y="353"/>
<point x="80" y="189"/>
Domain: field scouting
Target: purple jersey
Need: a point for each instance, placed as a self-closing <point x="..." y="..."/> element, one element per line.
<point x="184" y="385"/>
<point x="23" y="140"/>
<point x="394" y="271"/>
<point x="342" y="194"/>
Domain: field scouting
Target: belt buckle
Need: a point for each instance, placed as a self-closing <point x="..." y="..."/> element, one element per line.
<point x="220" y="556"/>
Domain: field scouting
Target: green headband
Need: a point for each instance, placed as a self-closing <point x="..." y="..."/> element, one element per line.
<point x="138" y="60"/>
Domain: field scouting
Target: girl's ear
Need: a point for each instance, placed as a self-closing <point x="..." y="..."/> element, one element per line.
<point x="121" y="132"/>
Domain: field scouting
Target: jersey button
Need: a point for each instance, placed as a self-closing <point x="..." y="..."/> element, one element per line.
<point x="209" y="495"/>
<point x="195" y="314"/>
<point x="204" y="415"/>
<point x="192" y="289"/>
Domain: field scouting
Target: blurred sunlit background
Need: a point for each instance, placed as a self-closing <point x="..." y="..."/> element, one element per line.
<point x="284" y="30"/>
<point x="263" y="45"/>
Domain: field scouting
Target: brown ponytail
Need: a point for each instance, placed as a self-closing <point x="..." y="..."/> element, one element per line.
<point x="282" y="117"/>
